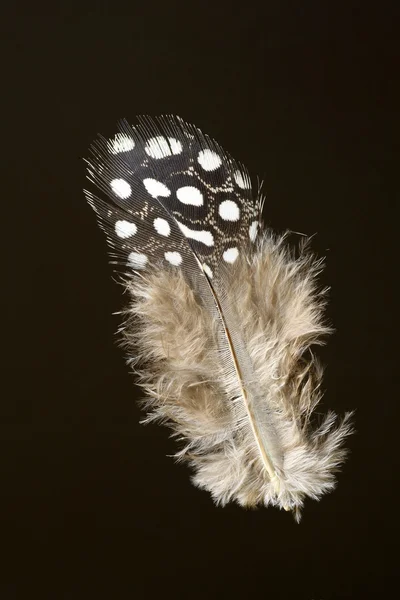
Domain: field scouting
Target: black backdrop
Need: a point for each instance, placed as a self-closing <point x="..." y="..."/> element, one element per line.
<point x="306" y="95"/>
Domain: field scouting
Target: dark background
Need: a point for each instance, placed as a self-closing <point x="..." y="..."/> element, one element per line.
<point x="306" y="95"/>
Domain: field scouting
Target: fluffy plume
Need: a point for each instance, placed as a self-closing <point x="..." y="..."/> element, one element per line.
<point x="276" y="301"/>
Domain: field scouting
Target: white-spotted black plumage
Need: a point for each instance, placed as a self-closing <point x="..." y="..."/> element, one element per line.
<point x="221" y="317"/>
<point x="165" y="178"/>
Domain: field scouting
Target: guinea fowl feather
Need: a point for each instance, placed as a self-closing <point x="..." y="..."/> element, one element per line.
<point x="221" y="317"/>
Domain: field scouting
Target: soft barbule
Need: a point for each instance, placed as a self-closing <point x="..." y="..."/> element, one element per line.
<point x="221" y="317"/>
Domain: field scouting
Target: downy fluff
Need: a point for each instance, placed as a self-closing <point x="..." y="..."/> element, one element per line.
<point x="221" y="316"/>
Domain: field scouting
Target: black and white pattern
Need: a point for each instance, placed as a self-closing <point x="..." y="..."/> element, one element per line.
<point x="168" y="193"/>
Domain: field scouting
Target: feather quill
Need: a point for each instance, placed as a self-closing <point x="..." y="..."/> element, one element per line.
<point x="221" y="318"/>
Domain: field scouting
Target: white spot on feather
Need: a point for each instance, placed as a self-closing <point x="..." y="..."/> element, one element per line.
<point x="174" y="258"/>
<point x="121" y="143"/>
<point x="176" y="146"/>
<point x="229" y="210"/>
<point x="190" y="195"/>
<point x="253" y="230"/>
<point x="158" y="147"/>
<point x="243" y="182"/>
<point x="124" y="229"/>
<point x="121" y="188"/>
<point x="230" y="255"/>
<point x="162" y="226"/>
<point x="205" y="237"/>
<point x="209" y="160"/>
<point x="156" y="188"/>
<point x="137" y="260"/>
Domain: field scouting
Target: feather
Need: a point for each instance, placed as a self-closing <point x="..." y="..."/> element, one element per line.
<point x="221" y="317"/>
